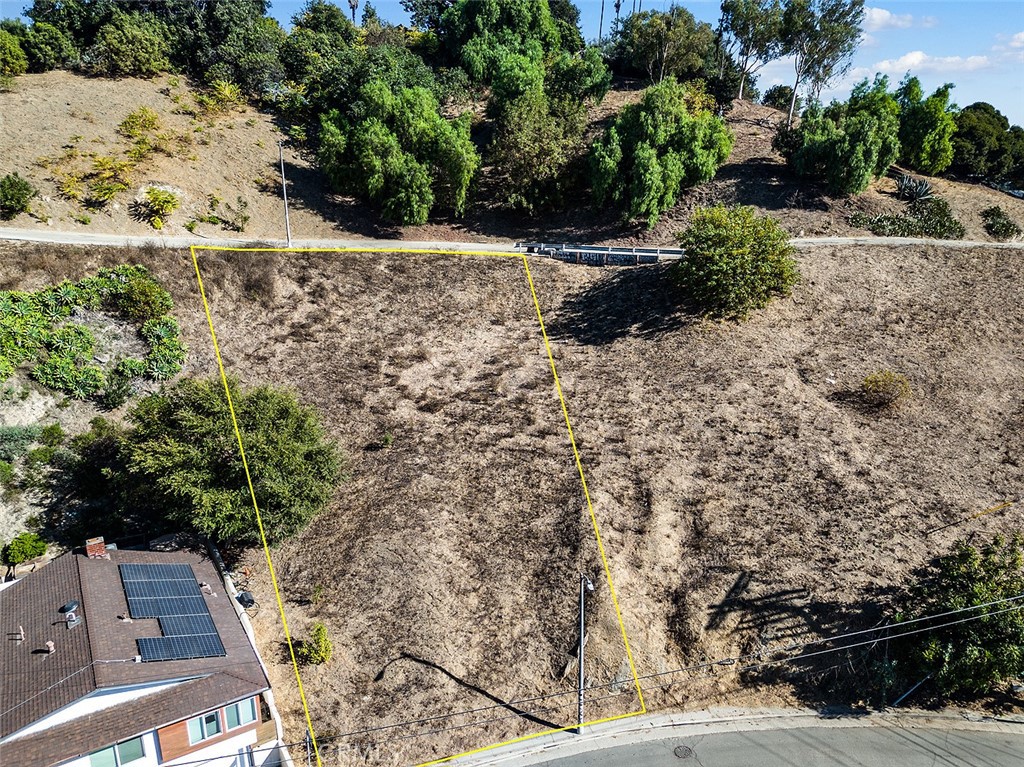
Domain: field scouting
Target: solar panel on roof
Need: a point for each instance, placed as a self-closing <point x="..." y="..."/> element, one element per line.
<point x="161" y="589"/>
<point x="179" y="625"/>
<point x="170" y="593"/>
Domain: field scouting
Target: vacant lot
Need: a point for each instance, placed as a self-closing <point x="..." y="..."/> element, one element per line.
<point x="446" y="567"/>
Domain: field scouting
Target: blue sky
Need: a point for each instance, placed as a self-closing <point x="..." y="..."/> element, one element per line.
<point x="977" y="44"/>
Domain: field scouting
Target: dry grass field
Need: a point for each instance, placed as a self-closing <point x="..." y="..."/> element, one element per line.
<point x="717" y="454"/>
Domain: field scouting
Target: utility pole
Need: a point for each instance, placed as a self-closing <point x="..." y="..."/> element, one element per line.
<point x="284" y="190"/>
<point x="600" y="24"/>
<point x="585" y="586"/>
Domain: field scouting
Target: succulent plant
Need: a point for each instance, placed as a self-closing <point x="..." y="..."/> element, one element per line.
<point x="911" y="189"/>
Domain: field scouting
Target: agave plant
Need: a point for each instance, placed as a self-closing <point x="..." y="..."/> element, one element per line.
<point x="911" y="189"/>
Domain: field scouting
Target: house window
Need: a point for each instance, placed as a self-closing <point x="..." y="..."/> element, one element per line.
<point x="130" y="751"/>
<point x="124" y="753"/>
<point x="104" y="758"/>
<point x="203" y="728"/>
<point x="243" y="712"/>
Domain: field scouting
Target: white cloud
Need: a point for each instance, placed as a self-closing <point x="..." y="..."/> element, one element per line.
<point x="919" y="61"/>
<point x="877" y="19"/>
<point x="1017" y="41"/>
<point x="868" y="41"/>
<point x="929" y="21"/>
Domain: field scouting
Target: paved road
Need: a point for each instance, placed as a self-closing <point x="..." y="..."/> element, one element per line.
<point x="815" y="747"/>
<point x="92" y="238"/>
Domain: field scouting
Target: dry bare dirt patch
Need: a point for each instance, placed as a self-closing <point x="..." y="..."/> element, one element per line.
<point x="716" y="454"/>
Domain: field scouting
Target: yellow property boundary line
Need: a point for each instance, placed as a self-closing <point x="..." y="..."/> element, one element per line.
<point x="572" y="439"/>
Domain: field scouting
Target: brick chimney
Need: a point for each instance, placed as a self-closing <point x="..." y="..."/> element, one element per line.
<point x="95" y="548"/>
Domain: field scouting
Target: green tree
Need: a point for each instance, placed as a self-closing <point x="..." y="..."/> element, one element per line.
<point x="661" y="44"/>
<point x="531" y="151"/>
<point x="250" y="57"/>
<point x="80" y="20"/>
<point x="398" y="152"/>
<point x="972" y="656"/>
<point x="24" y="547"/>
<point x="182" y="455"/>
<point x="780" y="97"/>
<point x="539" y="116"/>
<point x="846" y="145"/>
<point x="752" y="33"/>
<point x="735" y="261"/>
<point x="131" y="44"/>
<point x="567" y="20"/>
<point x="15" y="193"/>
<point x="48" y="48"/>
<point x="654" y="149"/>
<point x="985" y="145"/>
<point x="484" y="32"/>
<point x="13" y="61"/>
<point x="427" y="14"/>
<point x="821" y="36"/>
<point x="927" y="126"/>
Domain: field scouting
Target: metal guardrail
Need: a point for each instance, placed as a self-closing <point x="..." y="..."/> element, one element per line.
<point x="600" y="255"/>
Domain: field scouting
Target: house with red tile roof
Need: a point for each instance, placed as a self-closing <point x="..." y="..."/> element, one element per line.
<point x="123" y="658"/>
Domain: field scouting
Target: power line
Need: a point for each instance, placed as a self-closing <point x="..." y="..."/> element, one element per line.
<point x="707" y="664"/>
<point x="823" y="640"/>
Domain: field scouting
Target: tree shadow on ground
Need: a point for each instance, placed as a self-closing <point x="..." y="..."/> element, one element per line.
<point x="527" y="715"/>
<point x="765" y="183"/>
<point x="791" y="637"/>
<point x="643" y="301"/>
<point x="308" y="190"/>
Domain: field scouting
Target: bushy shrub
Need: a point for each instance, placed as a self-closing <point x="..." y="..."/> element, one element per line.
<point x="735" y="261"/>
<point x="142" y="299"/>
<point x="6" y="474"/>
<point x="48" y="48"/>
<point x="317" y="649"/>
<point x="779" y="97"/>
<point x="15" y="193"/>
<point x="654" y="149"/>
<point x="52" y="435"/>
<point x="13" y="61"/>
<point x="402" y="155"/>
<point x="999" y="224"/>
<point x="846" y="145"/>
<point x="931" y="217"/>
<point x="158" y="205"/>
<point x="166" y="350"/>
<point x="926" y="127"/>
<point x="531" y="150"/>
<point x="24" y="547"/>
<point x="15" y="441"/>
<point x="885" y="388"/>
<point x="181" y="453"/>
<point x="482" y="32"/>
<point x="971" y="656"/>
<point x="130" y="45"/>
<point x="140" y="122"/>
<point x="221" y="96"/>
<point x="250" y="56"/>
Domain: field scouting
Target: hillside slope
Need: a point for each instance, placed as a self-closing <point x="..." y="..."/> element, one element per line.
<point x="716" y="455"/>
<point x="54" y="122"/>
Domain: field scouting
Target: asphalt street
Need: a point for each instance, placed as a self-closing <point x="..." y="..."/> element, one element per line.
<point x="815" y="747"/>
